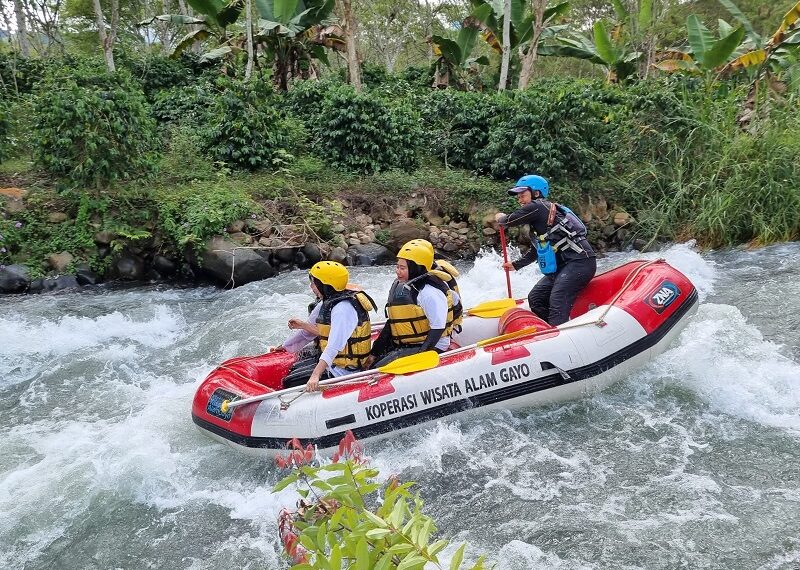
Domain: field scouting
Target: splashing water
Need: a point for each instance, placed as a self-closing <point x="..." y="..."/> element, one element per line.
<point x="690" y="462"/>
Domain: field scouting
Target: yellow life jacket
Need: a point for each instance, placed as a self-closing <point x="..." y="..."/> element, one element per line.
<point x="448" y="273"/>
<point x="406" y="319"/>
<point x="358" y="345"/>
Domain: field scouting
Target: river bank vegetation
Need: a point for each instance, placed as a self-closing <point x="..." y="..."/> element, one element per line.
<point x="135" y="134"/>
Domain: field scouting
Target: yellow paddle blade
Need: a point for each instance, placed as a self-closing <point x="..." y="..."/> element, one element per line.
<point x="413" y="363"/>
<point x="509" y="336"/>
<point x="492" y="309"/>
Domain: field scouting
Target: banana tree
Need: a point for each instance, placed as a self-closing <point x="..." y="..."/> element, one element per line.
<point x="292" y="33"/>
<point x="707" y="53"/>
<point x="454" y="63"/>
<point x="531" y="23"/>
<point x="607" y="49"/>
<point x="774" y="53"/>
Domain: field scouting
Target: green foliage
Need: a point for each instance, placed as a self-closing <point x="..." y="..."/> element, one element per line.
<point x="247" y="129"/>
<point x="363" y="133"/>
<point x="458" y="126"/>
<point x="184" y="105"/>
<point x="348" y="520"/>
<point x="562" y="129"/>
<point x="28" y="237"/>
<point x="93" y="128"/>
<point x="718" y="183"/>
<point x="184" y="159"/>
<point x="5" y="127"/>
<point x="156" y="72"/>
<point x="193" y="213"/>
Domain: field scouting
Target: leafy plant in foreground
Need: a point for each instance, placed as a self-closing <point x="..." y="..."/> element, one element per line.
<point x="340" y="523"/>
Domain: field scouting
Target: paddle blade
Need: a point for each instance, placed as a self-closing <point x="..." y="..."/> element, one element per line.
<point x="413" y="363"/>
<point x="492" y="309"/>
<point x="509" y="336"/>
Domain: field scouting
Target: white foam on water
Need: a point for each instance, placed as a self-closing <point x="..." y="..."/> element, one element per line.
<point x="67" y="334"/>
<point x="727" y="362"/>
<point x="519" y="555"/>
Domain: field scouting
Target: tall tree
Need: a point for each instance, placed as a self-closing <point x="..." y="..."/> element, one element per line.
<point x="22" y="29"/>
<point x="537" y="8"/>
<point x="506" y="57"/>
<point x="349" y="28"/>
<point x="248" y="7"/>
<point x="107" y="37"/>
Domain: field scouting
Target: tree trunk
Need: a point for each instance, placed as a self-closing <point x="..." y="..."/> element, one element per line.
<point x="538" y="7"/>
<point x="187" y="11"/>
<point x="22" y="30"/>
<point x="107" y="38"/>
<point x="163" y="27"/>
<point x="248" y="71"/>
<point x="506" y="45"/>
<point x="353" y="67"/>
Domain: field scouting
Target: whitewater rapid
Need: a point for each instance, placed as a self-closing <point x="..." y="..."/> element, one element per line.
<point x="694" y="461"/>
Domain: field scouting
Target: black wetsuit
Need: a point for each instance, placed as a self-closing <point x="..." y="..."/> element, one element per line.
<point x="553" y="295"/>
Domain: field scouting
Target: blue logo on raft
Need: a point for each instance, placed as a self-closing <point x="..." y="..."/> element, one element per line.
<point x="662" y="296"/>
<point x="214" y="406"/>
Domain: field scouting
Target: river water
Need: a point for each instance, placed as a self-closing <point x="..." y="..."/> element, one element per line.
<point x="691" y="462"/>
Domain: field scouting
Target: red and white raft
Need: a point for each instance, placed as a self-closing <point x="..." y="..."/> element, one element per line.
<point x="620" y="321"/>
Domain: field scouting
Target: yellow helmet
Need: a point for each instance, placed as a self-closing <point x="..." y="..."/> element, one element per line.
<point x="419" y="251"/>
<point x="331" y="273"/>
<point x="423" y="242"/>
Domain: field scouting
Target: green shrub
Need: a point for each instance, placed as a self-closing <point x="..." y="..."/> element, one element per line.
<point x="184" y="105"/>
<point x="561" y="130"/>
<point x="156" y="72"/>
<point x="348" y="519"/>
<point x="193" y="213"/>
<point x="5" y="127"/>
<point x="184" y="159"/>
<point x="363" y="133"/>
<point x="458" y="124"/>
<point x="93" y="128"/>
<point x="246" y="127"/>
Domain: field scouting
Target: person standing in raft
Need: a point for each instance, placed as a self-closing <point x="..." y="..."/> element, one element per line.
<point x="560" y="246"/>
<point x="421" y="310"/>
<point x="340" y="324"/>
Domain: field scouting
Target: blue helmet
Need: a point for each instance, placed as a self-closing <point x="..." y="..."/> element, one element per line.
<point x="531" y="182"/>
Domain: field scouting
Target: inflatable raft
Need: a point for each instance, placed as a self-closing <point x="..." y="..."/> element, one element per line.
<point x="620" y="321"/>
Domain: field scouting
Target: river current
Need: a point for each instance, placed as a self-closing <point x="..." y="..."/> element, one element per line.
<point x="690" y="462"/>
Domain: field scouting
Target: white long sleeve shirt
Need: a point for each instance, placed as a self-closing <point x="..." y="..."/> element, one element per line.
<point x="344" y="321"/>
<point x="434" y="303"/>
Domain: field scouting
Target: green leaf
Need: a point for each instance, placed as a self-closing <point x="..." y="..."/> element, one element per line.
<point x="722" y="49"/>
<point x="700" y="38"/>
<point x="620" y="11"/>
<point x="645" y="19"/>
<point x="742" y="19"/>
<point x="375" y="519"/>
<point x="362" y="554"/>
<point x="455" y="562"/>
<point x="378" y="533"/>
<point x="450" y="50"/>
<point x="411" y="560"/>
<point x="604" y="45"/>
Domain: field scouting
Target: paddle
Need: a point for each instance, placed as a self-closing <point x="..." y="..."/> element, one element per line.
<point x="492" y="309"/>
<point x="505" y="260"/>
<point x="405" y="365"/>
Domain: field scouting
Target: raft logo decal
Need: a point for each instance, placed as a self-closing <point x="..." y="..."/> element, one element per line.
<point x="215" y="402"/>
<point x="451" y="391"/>
<point x="662" y="296"/>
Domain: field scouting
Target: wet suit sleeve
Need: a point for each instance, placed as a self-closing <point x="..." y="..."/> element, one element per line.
<point x="381" y="344"/>
<point x="535" y="215"/>
<point x="430" y="342"/>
